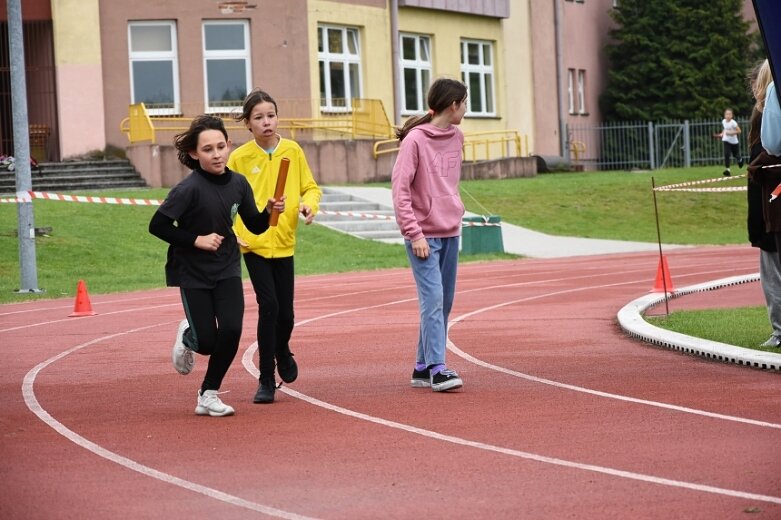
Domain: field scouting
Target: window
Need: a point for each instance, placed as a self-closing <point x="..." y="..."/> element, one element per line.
<point x="154" y="78"/>
<point x="581" y="92"/>
<point x="226" y="64"/>
<point x="339" y="58"/>
<point x="571" y="90"/>
<point x="415" y="71"/>
<point x="477" y="72"/>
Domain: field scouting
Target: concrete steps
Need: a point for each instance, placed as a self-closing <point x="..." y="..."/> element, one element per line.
<point x="77" y="176"/>
<point x="355" y="216"/>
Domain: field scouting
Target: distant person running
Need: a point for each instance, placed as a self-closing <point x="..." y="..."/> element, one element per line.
<point x="196" y="219"/>
<point x="429" y="211"/>
<point x="269" y="256"/>
<point x="729" y="138"/>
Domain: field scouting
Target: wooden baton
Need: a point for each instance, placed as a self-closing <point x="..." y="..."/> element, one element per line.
<point x="280" y="189"/>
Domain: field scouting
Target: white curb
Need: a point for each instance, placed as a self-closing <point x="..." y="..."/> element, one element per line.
<point x="630" y="317"/>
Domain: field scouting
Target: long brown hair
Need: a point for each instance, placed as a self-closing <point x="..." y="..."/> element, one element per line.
<point x="442" y="93"/>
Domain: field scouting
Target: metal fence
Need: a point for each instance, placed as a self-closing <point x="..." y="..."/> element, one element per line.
<point x="649" y="145"/>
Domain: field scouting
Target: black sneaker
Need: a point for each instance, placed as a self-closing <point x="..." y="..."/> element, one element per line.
<point x="445" y="380"/>
<point x="727" y="173"/>
<point x="740" y="162"/>
<point x="266" y="390"/>
<point x="420" y="378"/>
<point x="287" y="368"/>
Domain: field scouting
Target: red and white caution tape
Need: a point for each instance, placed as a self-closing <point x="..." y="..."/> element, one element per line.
<point x="357" y="215"/>
<point x="28" y="196"/>
<point x="390" y="217"/>
<point x="682" y="186"/>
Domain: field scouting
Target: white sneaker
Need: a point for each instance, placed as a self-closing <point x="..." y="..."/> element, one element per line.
<point x="182" y="356"/>
<point x="210" y="404"/>
<point x="773" y="341"/>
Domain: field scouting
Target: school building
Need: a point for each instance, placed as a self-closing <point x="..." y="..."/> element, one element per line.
<point x="531" y="66"/>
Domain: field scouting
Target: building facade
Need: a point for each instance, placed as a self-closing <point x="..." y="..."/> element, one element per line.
<point x="534" y="66"/>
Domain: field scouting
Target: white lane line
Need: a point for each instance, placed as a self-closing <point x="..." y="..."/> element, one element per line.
<point x="28" y="391"/>
<point x="247" y="361"/>
<point x="457" y="351"/>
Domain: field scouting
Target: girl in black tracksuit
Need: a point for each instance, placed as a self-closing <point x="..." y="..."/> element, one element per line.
<point x="196" y="219"/>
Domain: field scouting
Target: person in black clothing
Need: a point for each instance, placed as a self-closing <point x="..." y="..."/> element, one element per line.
<point x="196" y="219"/>
<point x="758" y="234"/>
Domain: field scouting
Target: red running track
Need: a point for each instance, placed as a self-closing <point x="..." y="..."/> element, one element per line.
<point x="561" y="416"/>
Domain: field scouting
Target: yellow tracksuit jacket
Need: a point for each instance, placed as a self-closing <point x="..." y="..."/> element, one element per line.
<point x="261" y="170"/>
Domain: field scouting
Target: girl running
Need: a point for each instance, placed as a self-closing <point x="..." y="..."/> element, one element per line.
<point x="269" y="256"/>
<point x="196" y="219"/>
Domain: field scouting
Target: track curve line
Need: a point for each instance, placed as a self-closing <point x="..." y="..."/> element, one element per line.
<point x="28" y="392"/>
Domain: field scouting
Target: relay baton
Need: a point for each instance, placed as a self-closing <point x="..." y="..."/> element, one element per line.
<point x="280" y="189"/>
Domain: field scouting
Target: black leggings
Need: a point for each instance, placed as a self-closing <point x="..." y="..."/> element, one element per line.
<point x="273" y="281"/>
<point x="216" y="317"/>
<point x="731" y="149"/>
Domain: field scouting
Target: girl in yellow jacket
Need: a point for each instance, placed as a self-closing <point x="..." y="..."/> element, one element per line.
<point x="269" y="256"/>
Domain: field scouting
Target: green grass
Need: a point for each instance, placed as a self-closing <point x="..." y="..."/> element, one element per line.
<point x="110" y="248"/>
<point x="616" y="205"/>
<point x="744" y="327"/>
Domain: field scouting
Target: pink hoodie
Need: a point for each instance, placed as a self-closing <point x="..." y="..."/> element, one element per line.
<point x="425" y="183"/>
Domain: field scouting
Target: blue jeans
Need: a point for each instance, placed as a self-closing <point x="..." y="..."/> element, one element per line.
<point x="435" y="278"/>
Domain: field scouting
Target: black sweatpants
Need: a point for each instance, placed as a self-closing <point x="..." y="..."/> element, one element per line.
<point x="731" y="149"/>
<point x="273" y="281"/>
<point x="216" y="317"/>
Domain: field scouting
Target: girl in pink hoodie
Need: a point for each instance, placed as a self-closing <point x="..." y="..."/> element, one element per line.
<point x="429" y="211"/>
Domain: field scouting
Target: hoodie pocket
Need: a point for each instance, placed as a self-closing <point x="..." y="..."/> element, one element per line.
<point x="445" y="213"/>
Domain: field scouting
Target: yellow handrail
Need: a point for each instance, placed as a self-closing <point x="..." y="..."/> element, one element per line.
<point x="577" y="148"/>
<point x="477" y="145"/>
<point x="365" y="118"/>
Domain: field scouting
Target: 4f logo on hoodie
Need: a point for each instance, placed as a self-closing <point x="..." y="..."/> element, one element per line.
<point x="446" y="163"/>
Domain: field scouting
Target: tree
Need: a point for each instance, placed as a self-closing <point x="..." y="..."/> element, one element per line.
<point x="677" y="59"/>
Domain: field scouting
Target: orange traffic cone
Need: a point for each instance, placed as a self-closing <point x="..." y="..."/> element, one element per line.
<point x="663" y="279"/>
<point x="82" y="307"/>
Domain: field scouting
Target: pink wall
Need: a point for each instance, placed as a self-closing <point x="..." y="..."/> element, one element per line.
<point x="546" y="112"/>
<point x="585" y="31"/>
<point x="79" y="99"/>
<point x="278" y="39"/>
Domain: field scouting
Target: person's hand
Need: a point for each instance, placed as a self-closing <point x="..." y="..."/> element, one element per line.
<point x="420" y="248"/>
<point x="210" y="242"/>
<point x="307" y="213"/>
<point x="241" y="242"/>
<point x="278" y="205"/>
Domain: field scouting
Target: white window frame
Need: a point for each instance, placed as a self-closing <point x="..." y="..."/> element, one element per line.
<point x="325" y="58"/>
<point x="421" y="66"/>
<point x="171" y="55"/>
<point x="581" y="91"/>
<point x="571" y="91"/>
<point x="232" y="54"/>
<point x="483" y="70"/>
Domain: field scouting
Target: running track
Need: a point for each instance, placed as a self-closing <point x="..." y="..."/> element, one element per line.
<point x="562" y="415"/>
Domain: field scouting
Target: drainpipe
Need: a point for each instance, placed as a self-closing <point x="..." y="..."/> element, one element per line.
<point x="394" y="27"/>
<point x="557" y="24"/>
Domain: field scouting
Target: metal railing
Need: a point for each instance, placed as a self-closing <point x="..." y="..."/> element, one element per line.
<point x="365" y="118"/>
<point x="652" y="145"/>
<point x="478" y="146"/>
